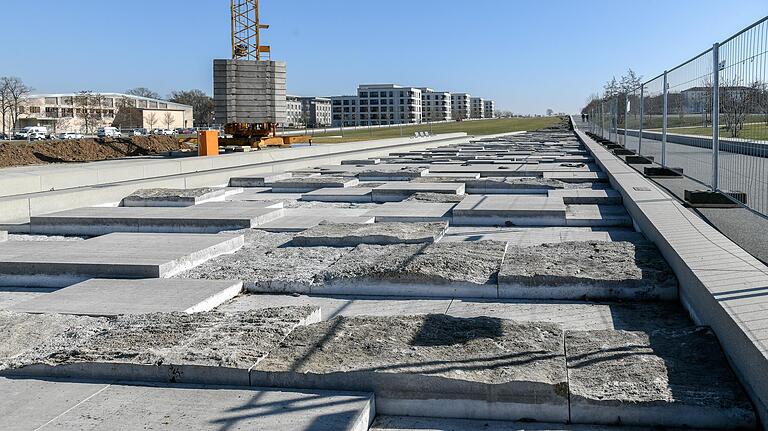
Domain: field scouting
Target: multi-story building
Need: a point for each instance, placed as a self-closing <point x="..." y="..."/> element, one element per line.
<point x="476" y="107"/>
<point x="435" y="105"/>
<point x="388" y="104"/>
<point x="85" y="112"/>
<point x="293" y="111"/>
<point x="490" y="109"/>
<point x="344" y="111"/>
<point x="460" y="106"/>
<point x="316" y="111"/>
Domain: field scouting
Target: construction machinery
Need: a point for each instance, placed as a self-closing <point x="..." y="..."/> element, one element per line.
<point x="251" y="87"/>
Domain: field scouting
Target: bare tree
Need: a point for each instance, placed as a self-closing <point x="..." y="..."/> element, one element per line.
<point x="760" y="94"/>
<point x="168" y="120"/>
<point x="127" y="115"/>
<point x="89" y="104"/>
<point x="735" y="101"/>
<point x="16" y="92"/>
<point x="5" y="106"/>
<point x="152" y="120"/>
<point x="143" y="92"/>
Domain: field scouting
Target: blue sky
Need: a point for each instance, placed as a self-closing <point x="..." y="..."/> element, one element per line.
<point x="528" y="55"/>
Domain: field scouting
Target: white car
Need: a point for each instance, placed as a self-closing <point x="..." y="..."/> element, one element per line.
<point x="167" y="132"/>
<point x="35" y="133"/>
<point x="108" y="132"/>
<point x="70" y="135"/>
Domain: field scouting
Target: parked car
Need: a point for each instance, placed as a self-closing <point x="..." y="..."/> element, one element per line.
<point x="188" y="132"/>
<point x="156" y="132"/>
<point x="108" y="132"/>
<point x="35" y="133"/>
<point x="178" y="130"/>
<point x="4" y="137"/>
<point x="70" y="135"/>
<point x="167" y="132"/>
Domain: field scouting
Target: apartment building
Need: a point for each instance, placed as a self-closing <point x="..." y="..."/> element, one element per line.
<point x="460" y="106"/>
<point x="388" y="104"/>
<point x="344" y="111"/>
<point x="476" y="107"/>
<point x="293" y="111"/>
<point x="85" y="112"/>
<point x="316" y="111"/>
<point x="435" y="105"/>
<point x="490" y="109"/>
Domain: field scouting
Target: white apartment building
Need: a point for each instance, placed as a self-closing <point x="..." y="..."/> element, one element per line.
<point x="316" y="111"/>
<point x="476" y="107"/>
<point x="344" y="111"/>
<point x="388" y="104"/>
<point x="460" y="106"/>
<point x="435" y="105"/>
<point x="490" y="109"/>
<point x="85" y="112"/>
<point x="293" y="111"/>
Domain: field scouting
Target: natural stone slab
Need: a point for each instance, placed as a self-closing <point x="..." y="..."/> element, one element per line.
<point x="352" y="235"/>
<point x="174" y="197"/>
<point x="259" y="180"/>
<point x="271" y="270"/>
<point x="435" y="198"/>
<point x="77" y="406"/>
<point x="594" y="270"/>
<point x="412" y="212"/>
<point x="205" y="218"/>
<point x="663" y="378"/>
<point x="336" y="194"/>
<point x="430" y="365"/>
<point x="398" y="191"/>
<point x="119" y="255"/>
<point x="110" y="297"/>
<point x="458" y="269"/>
<point x="215" y="348"/>
<point x="308" y="184"/>
<point x="515" y="210"/>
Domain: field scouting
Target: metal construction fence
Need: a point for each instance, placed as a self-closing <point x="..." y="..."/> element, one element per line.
<point x="708" y="116"/>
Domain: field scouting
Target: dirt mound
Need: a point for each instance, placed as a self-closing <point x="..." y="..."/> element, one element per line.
<point x="85" y="150"/>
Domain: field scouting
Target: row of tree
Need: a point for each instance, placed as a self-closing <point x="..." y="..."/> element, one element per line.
<point x="13" y="92"/>
<point x="201" y="103"/>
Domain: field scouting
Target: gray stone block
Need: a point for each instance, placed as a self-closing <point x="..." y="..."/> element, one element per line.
<point x="515" y="210"/>
<point x="261" y="180"/>
<point x="304" y="185"/>
<point x="352" y="235"/>
<point x="173" y="197"/>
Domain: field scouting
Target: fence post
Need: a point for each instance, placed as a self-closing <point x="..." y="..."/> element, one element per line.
<point x="715" y="115"/>
<point x="664" y="126"/>
<point x="642" y="108"/>
<point x="626" y="115"/>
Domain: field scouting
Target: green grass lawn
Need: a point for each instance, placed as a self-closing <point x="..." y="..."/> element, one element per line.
<point x="475" y="128"/>
<point x="756" y="131"/>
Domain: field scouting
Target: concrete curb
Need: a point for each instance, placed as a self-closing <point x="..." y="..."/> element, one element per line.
<point x="721" y="285"/>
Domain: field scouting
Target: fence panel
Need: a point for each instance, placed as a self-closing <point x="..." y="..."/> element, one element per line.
<point x="689" y="110"/>
<point x="652" y="121"/>
<point x="743" y="154"/>
<point x="631" y="123"/>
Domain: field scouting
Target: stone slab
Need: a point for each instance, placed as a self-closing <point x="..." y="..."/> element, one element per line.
<point x="392" y="173"/>
<point x="435" y="198"/>
<point x="663" y="378"/>
<point x="577" y="177"/>
<point x="587" y="196"/>
<point x="411" y="212"/>
<point x="143" y="407"/>
<point x="398" y="191"/>
<point x="406" y="423"/>
<point x="335" y="194"/>
<point x="204" y="218"/>
<point x="10" y="296"/>
<point x="119" y="255"/>
<point x="513" y="185"/>
<point x="201" y="348"/>
<point x="361" y="162"/>
<point x="110" y="297"/>
<point x="262" y="180"/>
<point x="430" y="365"/>
<point x="175" y="197"/>
<point x="530" y="236"/>
<point x="592" y="270"/>
<point x="352" y="235"/>
<point x="299" y="219"/>
<point x="456" y="269"/>
<point x="497" y="210"/>
<point x="598" y="215"/>
<point x="308" y="184"/>
<point x="3" y="236"/>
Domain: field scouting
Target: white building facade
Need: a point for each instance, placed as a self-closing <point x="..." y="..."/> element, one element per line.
<point x="460" y="106"/>
<point x="476" y="108"/>
<point x="381" y="104"/>
<point x="490" y="109"/>
<point x="435" y="105"/>
<point x="316" y="111"/>
<point x="293" y="111"/>
<point x="344" y="111"/>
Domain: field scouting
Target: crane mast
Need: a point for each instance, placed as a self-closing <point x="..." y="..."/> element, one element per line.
<point x="246" y="31"/>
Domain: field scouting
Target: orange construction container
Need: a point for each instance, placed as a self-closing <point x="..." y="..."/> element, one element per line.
<point x="208" y="143"/>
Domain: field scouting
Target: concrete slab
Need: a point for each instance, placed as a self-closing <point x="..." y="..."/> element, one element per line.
<point x="588" y="196"/>
<point x="411" y="212"/>
<point x="674" y="377"/>
<point x="304" y="185"/>
<point x="259" y="194"/>
<point x="577" y="177"/>
<point x="335" y="194"/>
<point x="457" y="269"/>
<point x="3" y="235"/>
<point x="201" y="348"/>
<point x="406" y="423"/>
<point x="360" y="162"/>
<point x="398" y="191"/>
<point x="430" y="365"/>
<point x="10" y="296"/>
<point x="593" y="270"/>
<point x="352" y="235"/>
<point x="175" y="197"/>
<point x="513" y="185"/>
<point x="299" y="219"/>
<point x="496" y="210"/>
<point x="109" y="297"/>
<point x="531" y="236"/>
<point x="392" y="173"/>
<point x="119" y="255"/>
<point x="446" y="176"/>
<point x="598" y="215"/>
<point x="435" y="198"/>
<point x="204" y="218"/>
